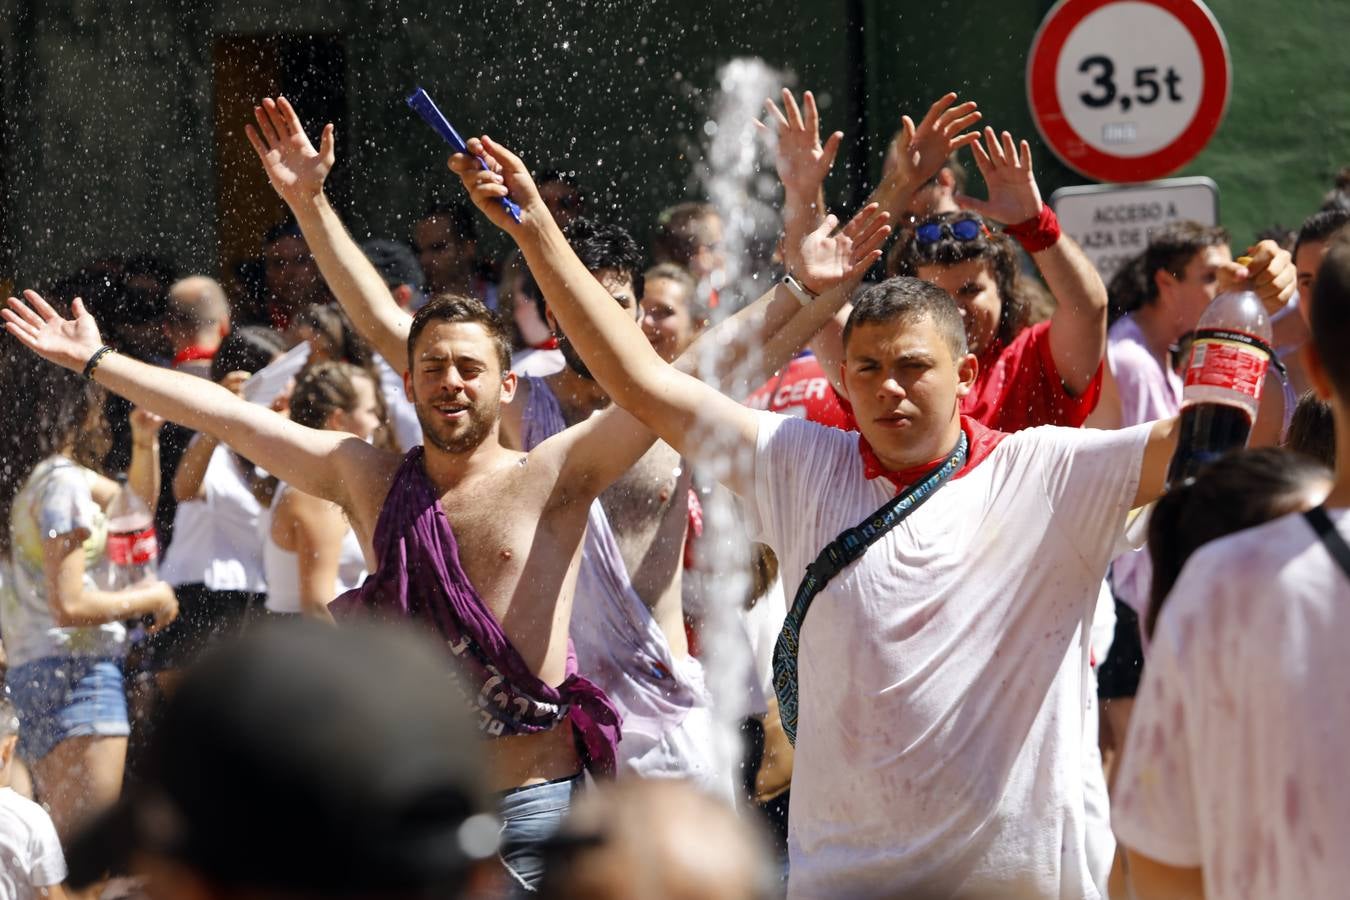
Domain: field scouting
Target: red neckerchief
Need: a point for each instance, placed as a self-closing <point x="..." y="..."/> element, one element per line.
<point x="194" y="352"/>
<point x="980" y="442"/>
<point x="550" y="344"/>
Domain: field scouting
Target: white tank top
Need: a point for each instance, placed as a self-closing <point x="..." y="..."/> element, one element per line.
<point x="282" y="567"/>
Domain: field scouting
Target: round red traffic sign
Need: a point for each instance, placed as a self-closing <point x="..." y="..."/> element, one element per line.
<point x="1128" y="90"/>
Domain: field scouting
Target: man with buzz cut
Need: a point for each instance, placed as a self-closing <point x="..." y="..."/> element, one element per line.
<point x="937" y="711"/>
<point x="476" y="541"/>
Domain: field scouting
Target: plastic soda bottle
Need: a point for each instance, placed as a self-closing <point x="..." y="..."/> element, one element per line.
<point x="1223" y="380"/>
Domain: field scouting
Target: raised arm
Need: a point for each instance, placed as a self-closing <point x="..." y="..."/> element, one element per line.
<point x="741" y="352"/>
<point x="1078" y="327"/>
<point x="734" y="356"/>
<point x="802" y="161"/>
<point x="1162" y="444"/>
<point x="143" y="474"/>
<point x="297" y="172"/>
<point x="920" y="151"/>
<point x="689" y="415"/>
<point x="917" y="154"/>
<point x="323" y="463"/>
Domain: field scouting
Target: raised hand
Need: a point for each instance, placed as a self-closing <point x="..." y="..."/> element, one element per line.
<point x="919" y="152"/>
<point x="825" y="259"/>
<point x="1006" y="167"/>
<point x="802" y="161"/>
<point x="295" y="169"/>
<point x="1269" y="271"/>
<point x="145" y="425"/>
<point x="505" y="176"/>
<point x="66" y="342"/>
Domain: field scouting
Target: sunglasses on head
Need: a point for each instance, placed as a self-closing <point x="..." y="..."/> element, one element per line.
<point x="960" y="230"/>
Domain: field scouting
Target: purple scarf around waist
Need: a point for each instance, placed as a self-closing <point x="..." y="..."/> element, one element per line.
<point x="420" y="577"/>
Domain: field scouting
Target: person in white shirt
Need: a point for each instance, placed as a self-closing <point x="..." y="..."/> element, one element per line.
<point x="31" y="862"/>
<point x="1230" y="784"/>
<point x="941" y="732"/>
<point x="215" y="561"/>
<point x="310" y="552"/>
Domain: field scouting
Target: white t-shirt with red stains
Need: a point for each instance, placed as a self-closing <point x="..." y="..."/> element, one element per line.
<point x="940" y="739"/>
<point x="1235" y="760"/>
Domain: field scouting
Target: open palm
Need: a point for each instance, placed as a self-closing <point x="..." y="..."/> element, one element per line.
<point x="66" y="342"/>
<point x="1006" y="167"/>
<point x="920" y="151"/>
<point x="802" y="161"/>
<point x="296" y="170"/>
<point x="826" y="259"/>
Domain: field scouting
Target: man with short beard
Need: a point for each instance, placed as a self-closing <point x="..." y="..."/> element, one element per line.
<point x="628" y="624"/>
<point x="521" y="516"/>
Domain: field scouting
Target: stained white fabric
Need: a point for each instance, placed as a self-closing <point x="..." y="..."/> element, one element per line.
<point x="667" y="725"/>
<point x="1236" y="753"/>
<point x="941" y="738"/>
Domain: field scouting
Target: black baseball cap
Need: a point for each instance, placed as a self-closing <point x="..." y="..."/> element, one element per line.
<point x="310" y="759"/>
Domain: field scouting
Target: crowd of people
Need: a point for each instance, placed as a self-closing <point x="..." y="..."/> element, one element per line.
<point x="434" y="572"/>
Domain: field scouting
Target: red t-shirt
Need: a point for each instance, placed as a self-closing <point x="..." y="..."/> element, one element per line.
<point x="1019" y="387"/>
<point x="801" y="389"/>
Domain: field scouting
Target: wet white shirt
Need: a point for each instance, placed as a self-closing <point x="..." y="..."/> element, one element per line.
<point x="941" y="733"/>
<point x="1235" y="760"/>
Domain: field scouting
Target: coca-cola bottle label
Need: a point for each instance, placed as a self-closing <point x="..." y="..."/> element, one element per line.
<point x="134" y="548"/>
<point x="1234" y="365"/>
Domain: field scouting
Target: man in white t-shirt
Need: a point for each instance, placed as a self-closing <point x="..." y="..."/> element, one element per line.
<point x="1232" y="782"/>
<point x="31" y="862"/>
<point x="940" y="738"/>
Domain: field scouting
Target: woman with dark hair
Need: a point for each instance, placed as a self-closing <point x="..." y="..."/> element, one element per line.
<point x="63" y="627"/>
<point x="310" y="552"/>
<point x="1312" y="431"/>
<point x="1240" y="490"/>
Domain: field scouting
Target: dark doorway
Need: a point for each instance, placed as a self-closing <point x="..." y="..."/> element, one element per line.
<point x="309" y="70"/>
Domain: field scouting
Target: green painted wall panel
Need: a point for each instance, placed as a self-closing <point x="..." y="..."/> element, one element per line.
<point x="106" y="134"/>
<point x="1285" y="134"/>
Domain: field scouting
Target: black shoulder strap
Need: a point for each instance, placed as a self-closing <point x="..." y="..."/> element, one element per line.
<point x="1331" y="538"/>
<point x="850" y="545"/>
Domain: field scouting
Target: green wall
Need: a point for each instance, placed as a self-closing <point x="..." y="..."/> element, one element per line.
<point x="107" y="135"/>
<point x="1285" y="135"/>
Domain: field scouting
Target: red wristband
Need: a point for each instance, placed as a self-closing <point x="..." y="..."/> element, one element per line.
<point x="1037" y="234"/>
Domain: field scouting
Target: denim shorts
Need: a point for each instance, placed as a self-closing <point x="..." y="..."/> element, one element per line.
<point x="63" y="697"/>
<point x="530" y="816"/>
